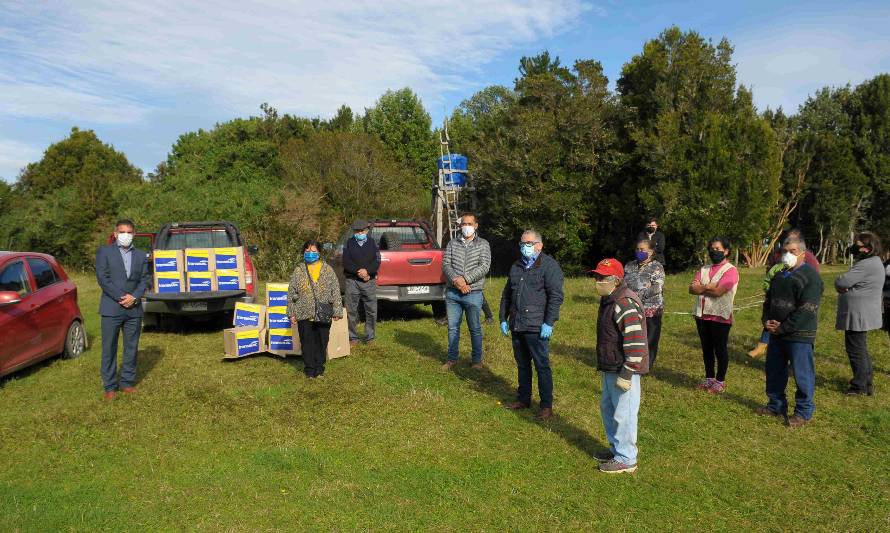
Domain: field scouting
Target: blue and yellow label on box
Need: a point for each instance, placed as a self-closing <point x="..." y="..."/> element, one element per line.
<point x="228" y="280"/>
<point x="248" y="342"/>
<point x="200" y="281"/>
<point x="249" y="314"/>
<point x="226" y="258"/>
<point x="278" y="317"/>
<point x="281" y="339"/>
<point x="167" y="260"/>
<point x="197" y="261"/>
<point x="169" y="282"/>
<point x="276" y="294"/>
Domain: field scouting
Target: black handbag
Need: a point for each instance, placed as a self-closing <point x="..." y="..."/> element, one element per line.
<point x="324" y="311"/>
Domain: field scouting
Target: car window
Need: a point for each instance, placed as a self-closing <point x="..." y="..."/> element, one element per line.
<point x="405" y="234"/>
<point x="15" y="278"/>
<point x="43" y="273"/>
<point x="199" y="239"/>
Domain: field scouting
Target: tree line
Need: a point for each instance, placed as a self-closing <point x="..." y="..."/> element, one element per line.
<point x="678" y="139"/>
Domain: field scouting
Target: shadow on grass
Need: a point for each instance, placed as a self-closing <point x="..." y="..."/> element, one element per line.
<point x="683" y="381"/>
<point x="487" y="382"/>
<point x="586" y="355"/>
<point x="146" y="359"/>
<point x="589" y="299"/>
<point x="29" y="370"/>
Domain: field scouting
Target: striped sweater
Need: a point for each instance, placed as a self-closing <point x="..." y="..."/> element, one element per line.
<point x="470" y="259"/>
<point x="621" y="344"/>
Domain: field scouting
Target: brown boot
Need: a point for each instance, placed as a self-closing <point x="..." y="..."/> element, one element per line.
<point x="758" y="350"/>
<point x="797" y="421"/>
<point x="546" y="413"/>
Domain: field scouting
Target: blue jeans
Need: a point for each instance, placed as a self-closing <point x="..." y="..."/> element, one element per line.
<point x="619" y="410"/>
<point x="764" y="337"/>
<point x="799" y="355"/>
<point x="456" y="304"/>
<point x="529" y="347"/>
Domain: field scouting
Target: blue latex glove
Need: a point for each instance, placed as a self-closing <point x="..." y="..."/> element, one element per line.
<point x="546" y="331"/>
<point x="505" y="329"/>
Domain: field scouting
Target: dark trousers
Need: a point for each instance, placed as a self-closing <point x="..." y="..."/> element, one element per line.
<point x="529" y="347"/>
<point x="365" y="293"/>
<point x="653" y="335"/>
<point x="856" y="343"/>
<point x="486" y="309"/>
<point x="314" y="345"/>
<point x="799" y="355"/>
<point x="714" y="346"/>
<point x="111" y="328"/>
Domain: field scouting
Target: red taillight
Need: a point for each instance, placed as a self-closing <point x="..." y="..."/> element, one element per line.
<point x="249" y="275"/>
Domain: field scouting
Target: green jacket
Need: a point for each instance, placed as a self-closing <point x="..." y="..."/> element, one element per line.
<point x="793" y="300"/>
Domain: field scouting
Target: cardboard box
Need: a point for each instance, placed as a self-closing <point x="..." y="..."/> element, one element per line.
<point x="199" y="260"/>
<point x="200" y="281"/>
<point x="276" y="318"/>
<point x="250" y="315"/>
<point x="241" y="342"/>
<point x="229" y="280"/>
<point x="228" y="258"/>
<point x="281" y="342"/>
<point x="276" y="294"/>
<point x="168" y="261"/>
<point x="167" y="282"/>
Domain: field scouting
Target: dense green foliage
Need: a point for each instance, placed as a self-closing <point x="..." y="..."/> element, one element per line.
<point x="559" y="151"/>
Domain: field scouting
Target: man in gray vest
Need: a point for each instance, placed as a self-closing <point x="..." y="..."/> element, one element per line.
<point x="465" y="265"/>
<point x="123" y="275"/>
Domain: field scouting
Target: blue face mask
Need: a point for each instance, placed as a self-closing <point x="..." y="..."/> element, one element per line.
<point x="527" y="251"/>
<point x="361" y="237"/>
<point x="642" y="256"/>
<point x="310" y="257"/>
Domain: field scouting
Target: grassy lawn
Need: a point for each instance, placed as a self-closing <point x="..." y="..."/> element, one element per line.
<point x="388" y="442"/>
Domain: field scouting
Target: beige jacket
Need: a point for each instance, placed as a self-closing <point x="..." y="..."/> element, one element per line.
<point x="300" y="302"/>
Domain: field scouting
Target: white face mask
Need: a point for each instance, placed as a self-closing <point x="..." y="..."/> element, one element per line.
<point x="789" y="259"/>
<point x="468" y="231"/>
<point x="125" y="239"/>
<point x="604" y="288"/>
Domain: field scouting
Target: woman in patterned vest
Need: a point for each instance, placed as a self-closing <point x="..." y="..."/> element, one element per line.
<point x="714" y="288"/>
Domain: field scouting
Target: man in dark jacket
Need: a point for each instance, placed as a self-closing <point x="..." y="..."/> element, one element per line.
<point x="622" y="355"/>
<point x="791" y="315"/>
<point x="530" y="302"/>
<point x="123" y="275"/>
<point x="361" y="260"/>
<point x="651" y="233"/>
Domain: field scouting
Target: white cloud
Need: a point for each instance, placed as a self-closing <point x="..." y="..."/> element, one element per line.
<point x="787" y="65"/>
<point x="14" y="156"/>
<point x="115" y="60"/>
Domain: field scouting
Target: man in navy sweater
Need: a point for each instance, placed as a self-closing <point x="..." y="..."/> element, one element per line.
<point x="361" y="260"/>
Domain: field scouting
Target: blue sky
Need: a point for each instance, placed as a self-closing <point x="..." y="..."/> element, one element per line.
<point x="142" y="73"/>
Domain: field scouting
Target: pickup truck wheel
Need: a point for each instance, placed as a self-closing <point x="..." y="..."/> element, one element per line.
<point x="75" y="341"/>
<point x="438" y="309"/>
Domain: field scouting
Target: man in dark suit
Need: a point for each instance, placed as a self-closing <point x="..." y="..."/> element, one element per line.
<point x="122" y="273"/>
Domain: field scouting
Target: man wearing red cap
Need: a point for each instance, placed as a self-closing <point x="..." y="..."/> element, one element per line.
<point x="622" y="355"/>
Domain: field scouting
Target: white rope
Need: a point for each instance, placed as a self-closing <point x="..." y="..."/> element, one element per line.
<point x="734" y="309"/>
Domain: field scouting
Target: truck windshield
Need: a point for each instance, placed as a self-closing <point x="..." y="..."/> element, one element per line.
<point x="405" y="234"/>
<point x="209" y="238"/>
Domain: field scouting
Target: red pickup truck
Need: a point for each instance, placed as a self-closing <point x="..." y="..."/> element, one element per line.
<point x="410" y="262"/>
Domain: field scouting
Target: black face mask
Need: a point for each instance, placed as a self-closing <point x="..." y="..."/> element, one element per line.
<point x="650" y="229"/>
<point x="716" y="256"/>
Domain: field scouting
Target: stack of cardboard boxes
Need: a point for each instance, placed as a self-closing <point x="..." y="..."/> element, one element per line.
<point x="270" y="327"/>
<point x="199" y="270"/>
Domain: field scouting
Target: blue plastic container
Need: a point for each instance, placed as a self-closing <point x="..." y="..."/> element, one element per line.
<point x="459" y="166"/>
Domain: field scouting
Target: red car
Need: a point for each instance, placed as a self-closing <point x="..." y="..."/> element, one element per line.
<point x="39" y="316"/>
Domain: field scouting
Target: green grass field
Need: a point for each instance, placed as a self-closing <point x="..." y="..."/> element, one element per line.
<point x="386" y="441"/>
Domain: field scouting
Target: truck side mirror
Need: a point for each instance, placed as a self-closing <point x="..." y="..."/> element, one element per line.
<point x="253" y="249"/>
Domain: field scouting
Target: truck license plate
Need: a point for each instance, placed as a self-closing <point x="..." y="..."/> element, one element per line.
<point x="419" y="289"/>
<point x="194" y="306"/>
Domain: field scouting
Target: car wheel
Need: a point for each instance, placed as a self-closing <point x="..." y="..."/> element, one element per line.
<point x="75" y="341"/>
